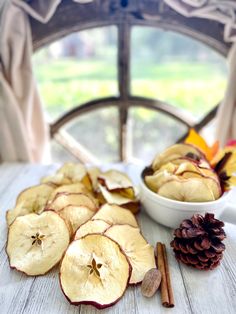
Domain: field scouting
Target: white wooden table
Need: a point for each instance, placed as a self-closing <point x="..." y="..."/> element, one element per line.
<point x="195" y="291"/>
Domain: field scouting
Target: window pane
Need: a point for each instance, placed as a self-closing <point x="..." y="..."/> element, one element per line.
<point x="60" y="154"/>
<point x="150" y="132"/>
<point x="98" y="132"/>
<point x="176" y="69"/>
<point x="77" y="68"/>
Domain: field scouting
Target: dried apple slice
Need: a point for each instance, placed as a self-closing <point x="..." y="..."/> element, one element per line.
<point x="214" y="185"/>
<point x="155" y="181"/>
<point x="187" y="190"/>
<point x="94" y="271"/>
<point x="41" y="192"/>
<point x="209" y="173"/>
<point x="201" y="163"/>
<point x="169" y="166"/>
<point x="76" y="215"/>
<point x="139" y="252"/>
<point x="190" y="174"/>
<point x="116" y="198"/>
<point x="76" y="173"/>
<point x="169" y="172"/>
<point x="187" y="166"/>
<point x="68" y="188"/>
<point x="36" y="243"/>
<point x="100" y="198"/>
<point x="191" y="170"/>
<point x="114" y="214"/>
<point x="174" y="152"/>
<point x="31" y="200"/>
<point x="94" y="173"/>
<point x="87" y="182"/>
<point x="76" y="199"/>
<point x="116" y="181"/>
<point x="17" y="211"/>
<point x="57" y="179"/>
<point x="211" y="181"/>
<point x="134" y="207"/>
<point x="69" y="173"/>
<point x="91" y="226"/>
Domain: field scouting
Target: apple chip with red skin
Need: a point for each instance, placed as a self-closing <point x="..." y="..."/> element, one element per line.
<point x="118" y="199"/>
<point x="91" y="226"/>
<point x="114" y="214"/>
<point x="119" y="182"/>
<point x="76" y="216"/>
<point x="70" y="173"/>
<point x="31" y="200"/>
<point x="95" y="271"/>
<point x="138" y="251"/>
<point x="76" y="172"/>
<point x="69" y="188"/>
<point x="62" y="200"/>
<point x="187" y="190"/>
<point x="57" y="179"/>
<point x="200" y="163"/>
<point x="155" y="181"/>
<point x="36" y="243"/>
<point x="174" y="152"/>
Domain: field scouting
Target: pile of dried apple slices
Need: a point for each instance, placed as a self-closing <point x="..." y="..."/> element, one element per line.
<point x="182" y="173"/>
<point x="67" y="219"/>
<point x="108" y="253"/>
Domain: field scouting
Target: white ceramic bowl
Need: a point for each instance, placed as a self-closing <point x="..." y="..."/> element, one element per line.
<point x="170" y="213"/>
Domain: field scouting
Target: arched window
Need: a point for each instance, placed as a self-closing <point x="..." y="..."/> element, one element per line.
<point x="125" y="81"/>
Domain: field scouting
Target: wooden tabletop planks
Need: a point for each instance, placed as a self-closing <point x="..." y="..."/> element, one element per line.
<point x="195" y="291"/>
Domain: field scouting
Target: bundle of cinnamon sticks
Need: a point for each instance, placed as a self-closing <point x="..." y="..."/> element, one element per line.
<point x="167" y="297"/>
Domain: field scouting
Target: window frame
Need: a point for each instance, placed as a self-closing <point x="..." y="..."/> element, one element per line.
<point x="124" y="21"/>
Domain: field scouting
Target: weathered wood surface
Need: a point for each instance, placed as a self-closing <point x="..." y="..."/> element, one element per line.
<point x="195" y="291"/>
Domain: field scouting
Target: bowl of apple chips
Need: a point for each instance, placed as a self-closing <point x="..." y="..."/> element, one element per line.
<point x="181" y="181"/>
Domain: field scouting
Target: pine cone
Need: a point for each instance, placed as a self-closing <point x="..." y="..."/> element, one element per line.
<point x="198" y="242"/>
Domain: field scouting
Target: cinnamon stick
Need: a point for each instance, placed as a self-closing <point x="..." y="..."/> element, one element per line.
<point x="167" y="297"/>
<point x="169" y="286"/>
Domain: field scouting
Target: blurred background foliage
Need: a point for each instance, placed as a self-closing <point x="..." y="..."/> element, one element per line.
<point x="164" y="65"/>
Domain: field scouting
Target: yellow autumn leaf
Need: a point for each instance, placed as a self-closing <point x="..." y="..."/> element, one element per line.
<point x="230" y="166"/>
<point x="230" y="183"/>
<point x="197" y="140"/>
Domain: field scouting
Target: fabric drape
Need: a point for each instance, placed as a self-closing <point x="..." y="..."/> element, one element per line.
<point x="24" y="133"/>
<point x="226" y="115"/>
<point x="223" y="11"/>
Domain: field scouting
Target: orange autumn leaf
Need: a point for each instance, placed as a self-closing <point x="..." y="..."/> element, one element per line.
<point x="215" y="148"/>
<point x="197" y="140"/>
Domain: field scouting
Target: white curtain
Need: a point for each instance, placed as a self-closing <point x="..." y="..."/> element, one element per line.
<point x="224" y="12"/>
<point x="24" y="133"/>
<point x="226" y="115"/>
